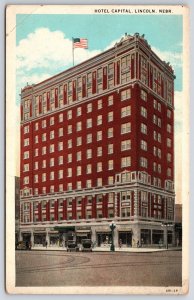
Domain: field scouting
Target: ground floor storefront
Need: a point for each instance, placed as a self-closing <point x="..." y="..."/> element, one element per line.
<point x="129" y="234"/>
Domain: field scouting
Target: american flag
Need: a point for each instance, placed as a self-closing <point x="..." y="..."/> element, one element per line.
<point x="80" y="43"/>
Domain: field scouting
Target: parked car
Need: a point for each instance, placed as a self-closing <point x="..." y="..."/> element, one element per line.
<point x="86" y="245"/>
<point x="72" y="246"/>
<point x="23" y="245"/>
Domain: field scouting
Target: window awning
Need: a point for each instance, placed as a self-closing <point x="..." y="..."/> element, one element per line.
<point x="125" y="230"/>
<point x="83" y="231"/>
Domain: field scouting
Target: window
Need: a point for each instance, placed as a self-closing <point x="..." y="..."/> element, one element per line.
<point x="52" y="121"/>
<point x="169" y="172"/>
<point x="69" y="143"/>
<point x="143" y="128"/>
<point x="44" y="163"/>
<point x="60" y="174"/>
<point x="52" y="135"/>
<point x="60" y="132"/>
<point x="27" y="141"/>
<point x="35" y="166"/>
<point x="99" y="151"/>
<point x="110" y="100"/>
<point x="69" y="186"/>
<point x="126" y="94"/>
<point x="69" y="158"/>
<point x="126" y="161"/>
<point x="52" y="175"/>
<point x="99" y="103"/>
<point x="26" y="154"/>
<point x="159" y="168"/>
<point x="159" y="153"/>
<point x="36" y="178"/>
<point x="125" y="111"/>
<point x="110" y="116"/>
<point x="69" y="129"/>
<point x="169" y="142"/>
<point x="125" y="128"/>
<point x="79" y="111"/>
<point x="159" y="107"/>
<point x="143" y="95"/>
<point x="44" y="150"/>
<point x="89" y="123"/>
<point x="110" y="180"/>
<point x="44" y="190"/>
<point x="99" y="120"/>
<point x="99" y="135"/>
<point x="36" y="192"/>
<point x="60" y="146"/>
<point x="125" y="145"/>
<point x="99" y="167"/>
<point x="52" y="148"/>
<point x="79" y="156"/>
<point x="26" y="167"/>
<point x="89" y="153"/>
<point x="61" y="190"/>
<point x="79" y="141"/>
<point x="43" y="123"/>
<point x="169" y="128"/>
<point x="26" y="180"/>
<point x="155" y="151"/>
<point x="159" y="137"/>
<point x="60" y="160"/>
<point x="143" y="162"/>
<point x="79" y="126"/>
<point x="43" y="137"/>
<point x="69" y="114"/>
<point x="154" y="166"/>
<point x="110" y="164"/>
<point x="159" y="122"/>
<point x="36" y="152"/>
<point x="143" y="112"/>
<point x="26" y="129"/>
<point x="89" y="169"/>
<point x="43" y="177"/>
<point x="89" y="138"/>
<point x="79" y="170"/>
<point x="110" y="132"/>
<point x="110" y="148"/>
<point x="88" y="183"/>
<point x="143" y="145"/>
<point x="79" y="184"/>
<point x="52" y="162"/>
<point x="169" y="113"/>
<point x="60" y="118"/>
<point x="99" y="181"/>
<point x="155" y="104"/>
<point x="69" y="172"/>
<point x="155" y="119"/>
<point x="169" y="157"/>
<point x="89" y="107"/>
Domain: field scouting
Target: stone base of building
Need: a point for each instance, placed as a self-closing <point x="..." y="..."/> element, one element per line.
<point x="126" y="234"/>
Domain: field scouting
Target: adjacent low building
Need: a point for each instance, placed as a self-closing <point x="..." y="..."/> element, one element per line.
<point x="97" y="145"/>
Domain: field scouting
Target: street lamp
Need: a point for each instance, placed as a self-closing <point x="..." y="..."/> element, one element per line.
<point x="112" y="228"/>
<point x="166" y="225"/>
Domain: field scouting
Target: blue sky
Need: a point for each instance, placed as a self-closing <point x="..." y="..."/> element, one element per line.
<point x="44" y="48"/>
<point x="163" y="32"/>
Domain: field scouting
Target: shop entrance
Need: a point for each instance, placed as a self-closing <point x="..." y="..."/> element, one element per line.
<point x="125" y="238"/>
<point x="104" y="239"/>
<point x="145" y="237"/>
<point x="158" y="237"/>
<point x="26" y="237"/>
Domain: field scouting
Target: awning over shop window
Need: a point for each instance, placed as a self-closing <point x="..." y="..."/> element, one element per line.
<point x="124" y="230"/>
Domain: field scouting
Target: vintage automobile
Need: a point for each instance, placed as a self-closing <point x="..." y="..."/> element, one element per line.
<point x="23" y="245"/>
<point x="86" y="245"/>
<point x="72" y="246"/>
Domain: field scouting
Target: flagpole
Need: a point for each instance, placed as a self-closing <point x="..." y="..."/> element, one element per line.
<point x="73" y="50"/>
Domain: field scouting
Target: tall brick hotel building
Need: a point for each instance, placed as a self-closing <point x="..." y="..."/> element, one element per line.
<point x="97" y="145"/>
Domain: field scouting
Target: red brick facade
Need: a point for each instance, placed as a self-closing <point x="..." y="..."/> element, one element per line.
<point x="100" y="136"/>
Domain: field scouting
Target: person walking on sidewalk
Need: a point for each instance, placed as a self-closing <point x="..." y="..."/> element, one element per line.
<point x="46" y="243"/>
<point x="120" y="244"/>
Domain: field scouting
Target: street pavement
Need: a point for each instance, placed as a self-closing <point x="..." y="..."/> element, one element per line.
<point x="119" y="268"/>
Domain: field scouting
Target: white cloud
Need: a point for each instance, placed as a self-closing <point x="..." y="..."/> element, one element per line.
<point x="175" y="58"/>
<point x="47" y="49"/>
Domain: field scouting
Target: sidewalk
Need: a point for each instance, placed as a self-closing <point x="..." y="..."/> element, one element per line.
<point x="107" y="249"/>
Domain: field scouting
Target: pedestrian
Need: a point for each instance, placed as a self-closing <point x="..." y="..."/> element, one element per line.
<point x="138" y="244"/>
<point x="46" y="243"/>
<point x="120" y="243"/>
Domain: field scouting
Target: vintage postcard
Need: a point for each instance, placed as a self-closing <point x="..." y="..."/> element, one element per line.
<point x="97" y="130"/>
